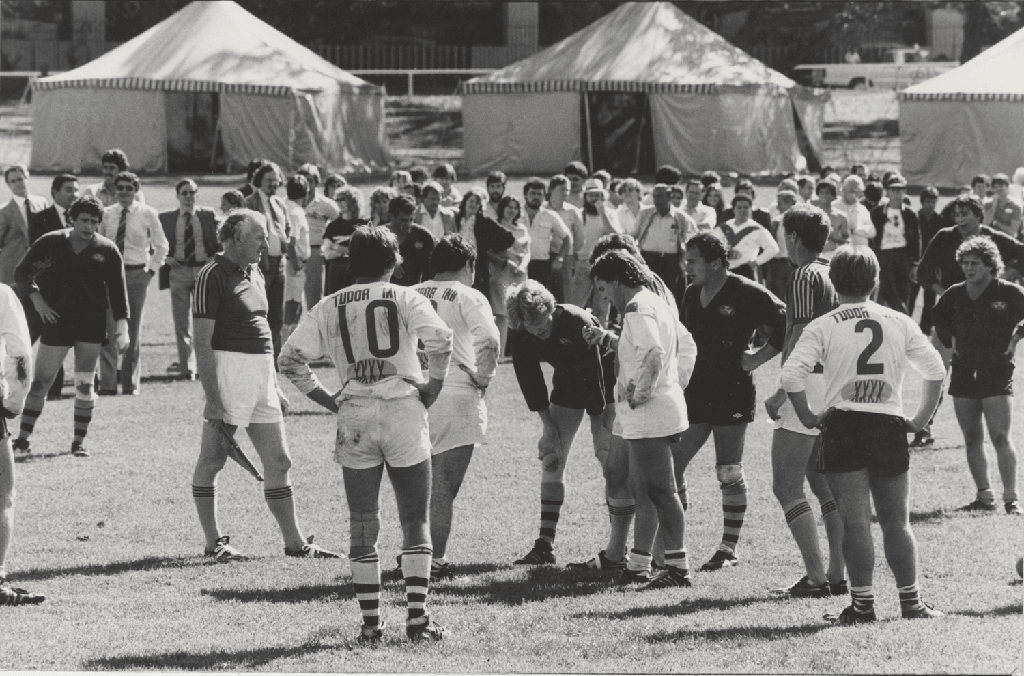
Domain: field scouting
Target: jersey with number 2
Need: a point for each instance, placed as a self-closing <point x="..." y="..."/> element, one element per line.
<point x="371" y="332"/>
<point x="864" y="349"/>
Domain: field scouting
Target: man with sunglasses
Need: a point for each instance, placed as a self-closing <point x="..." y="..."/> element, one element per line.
<point x="135" y="229"/>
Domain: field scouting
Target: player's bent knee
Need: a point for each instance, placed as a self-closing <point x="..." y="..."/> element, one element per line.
<point x="364" y="528"/>
<point x="84" y="386"/>
<point x="552" y="463"/>
<point x="731" y="478"/>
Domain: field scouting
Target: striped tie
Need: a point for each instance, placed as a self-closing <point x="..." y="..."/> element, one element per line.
<point x="122" y="228"/>
<point x="190" y="240"/>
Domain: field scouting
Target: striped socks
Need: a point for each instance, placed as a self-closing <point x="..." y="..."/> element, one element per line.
<point x="863" y="598"/>
<point x="29" y="416"/>
<point x="620" y="516"/>
<point x="910" y="597"/>
<point x="639" y="560"/>
<point x="416" y="571"/>
<point x="551" y="496"/>
<point x="83" y="416"/>
<point x="676" y="558"/>
<point x="366" y="581"/>
<point x="282" y="493"/>
<point x="800" y="520"/>
<point x="734" y="508"/>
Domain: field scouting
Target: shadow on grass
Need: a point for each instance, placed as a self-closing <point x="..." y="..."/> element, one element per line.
<point x="758" y="634"/>
<point x="1003" y="611"/>
<point x="684" y="607"/>
<point x="341" y="591"/>
<point x="210" y="661"/>
<point x="925" y="518"/>
<point x="30" y="457"/>
<point x="540" y="584"/>
<point x="115" y="568"/>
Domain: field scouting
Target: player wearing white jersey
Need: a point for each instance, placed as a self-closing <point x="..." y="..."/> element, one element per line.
<point x="863" y="349"/>
<point x="809" y="295"/>
<point x="458" y="419"/>
<point x="370" y="330"/>
<point x="15" y="380"/>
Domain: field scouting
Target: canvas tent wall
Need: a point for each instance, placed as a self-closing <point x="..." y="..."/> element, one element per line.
<point x="644" y="85"/>
<point x="966" y="121"/>
<point x="210" y="85"/>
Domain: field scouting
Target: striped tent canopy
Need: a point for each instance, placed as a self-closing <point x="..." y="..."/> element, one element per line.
<point x="639" y="47"/>
<point x="993" y="75"/>
<point x="211" y="47"/>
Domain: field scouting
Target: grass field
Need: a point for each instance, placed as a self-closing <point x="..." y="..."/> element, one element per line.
<point x="114" y="543"/>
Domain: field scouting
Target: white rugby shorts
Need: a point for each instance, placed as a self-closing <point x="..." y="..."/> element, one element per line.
<point x="814" y="388"/>
<point x="373" y="431"/>
<point x="457" y="418"/>
<point x="248" y="388"/>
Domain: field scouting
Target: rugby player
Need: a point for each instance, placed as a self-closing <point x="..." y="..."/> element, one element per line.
<point x="545" y="332"/>
<point x="723" y="310"/>
<point x="864" y="349"/>
<point x="83" y="270"/>
<point x="235" y="359"/>
<point x="370" y="330"/>
<point x="650" y="406"/>
<point x="15" y="379"/>
<point x="809" y="296"/>
<point x="980" y="319"/>
<point x="458" y="419"/>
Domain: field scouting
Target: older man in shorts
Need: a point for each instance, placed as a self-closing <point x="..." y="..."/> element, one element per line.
<point x="371" y="330"/>
<point x="235" y="359"/>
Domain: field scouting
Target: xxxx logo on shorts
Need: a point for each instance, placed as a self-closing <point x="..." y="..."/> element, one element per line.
<point x="369" y="371"/>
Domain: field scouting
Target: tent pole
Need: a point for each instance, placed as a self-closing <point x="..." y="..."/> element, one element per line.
<point x="590" y="140"/>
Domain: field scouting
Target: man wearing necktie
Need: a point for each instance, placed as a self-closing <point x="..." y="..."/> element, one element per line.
<point x="267" y="180"/>
<point x="14" y="220"/>
<point x="135" y="229"/>
<point x="191" y="233"/>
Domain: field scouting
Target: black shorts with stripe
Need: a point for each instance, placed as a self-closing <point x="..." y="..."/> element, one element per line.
<point x="856" y="440"/>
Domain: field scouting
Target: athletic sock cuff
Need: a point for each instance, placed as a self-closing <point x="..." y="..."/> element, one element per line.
<point x="282" y="493"/>
<point x="204" y="491"/>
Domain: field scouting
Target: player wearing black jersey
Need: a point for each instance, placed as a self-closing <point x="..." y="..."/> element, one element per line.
<point x="84" y="270"/>
<point x="723" y="310"/>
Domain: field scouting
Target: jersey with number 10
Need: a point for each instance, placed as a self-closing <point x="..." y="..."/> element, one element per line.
<point x="371" y="332"/>
<point x="864" y="349"/>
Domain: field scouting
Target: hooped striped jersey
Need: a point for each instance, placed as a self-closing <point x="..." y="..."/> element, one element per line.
<point x="864" y="349"/>
<point x="475" y="336"/>
<point x="371" y="332"/>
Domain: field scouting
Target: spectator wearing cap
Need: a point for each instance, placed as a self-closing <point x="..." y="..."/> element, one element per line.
<point x="1003" y="212"/>
<point x="319" y="210"/>
<point x="661" y="235"/>
<point x="113" y="162"/>
<point x="430" y="215"/>
<point x="445" y="175"/>
<point x="550" y="239"/>
<point x="598" y="221"/>
<point x="897" y="243"/>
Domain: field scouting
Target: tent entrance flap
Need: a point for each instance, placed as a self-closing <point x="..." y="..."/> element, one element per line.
<point x="620" y="132"/>
<point x="192" y="138"/>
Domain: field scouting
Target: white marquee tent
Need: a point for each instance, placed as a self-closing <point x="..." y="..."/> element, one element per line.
<point x="210" y="85"/>
<point x="966" y="121"/>
<point x="711" y="105"/>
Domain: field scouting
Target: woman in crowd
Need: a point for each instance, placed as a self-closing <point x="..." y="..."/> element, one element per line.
<point x="332" y="183"/>
<point x="631" y="192"/>
<point x="508" y="267"/>
<point x="483" y="233"/>
<point x="379" y="201"/>
<point x="337" y="235"/>
<point x="713" y="198"/>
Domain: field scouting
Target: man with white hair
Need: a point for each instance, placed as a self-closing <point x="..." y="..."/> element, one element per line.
<point x="857" y="215"/>
<point x="235" y="358"/>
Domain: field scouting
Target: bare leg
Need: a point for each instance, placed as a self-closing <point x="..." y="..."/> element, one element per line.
<point x="212" y="456"/>
<point x="270" y="444"/>
<point x="892" y="503"/>
<point x="6" y="502"/>
<point x="853" y="498"/>
<point x="449" y="469"/>
<point x="969" y="415"/>
<point x="790" y="453"/>
<point x="999" y="419"/>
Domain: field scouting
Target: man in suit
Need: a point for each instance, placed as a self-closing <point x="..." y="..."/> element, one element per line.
<point x="14" y="221"/>
<point x="191" y="233"/>
<point x="267" y="180"/>
<point x="437" y="220"/>
<point x="661" y="234"/>
<point x="23" y="220"/>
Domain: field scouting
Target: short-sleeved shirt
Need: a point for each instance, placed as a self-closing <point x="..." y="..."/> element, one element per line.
<point x="547" y="232"/>
<point x="75" y="284"/>
<point x="723" y="329"/>
<point x="319" y="213"/>
<point x="578" y="372"/>
<point x="864" y="349"/>
<point x="983" y="327"/>
<point x="1002" y="215"/>
<point x="236" y="299"/>
<point x="810" y="295"/>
